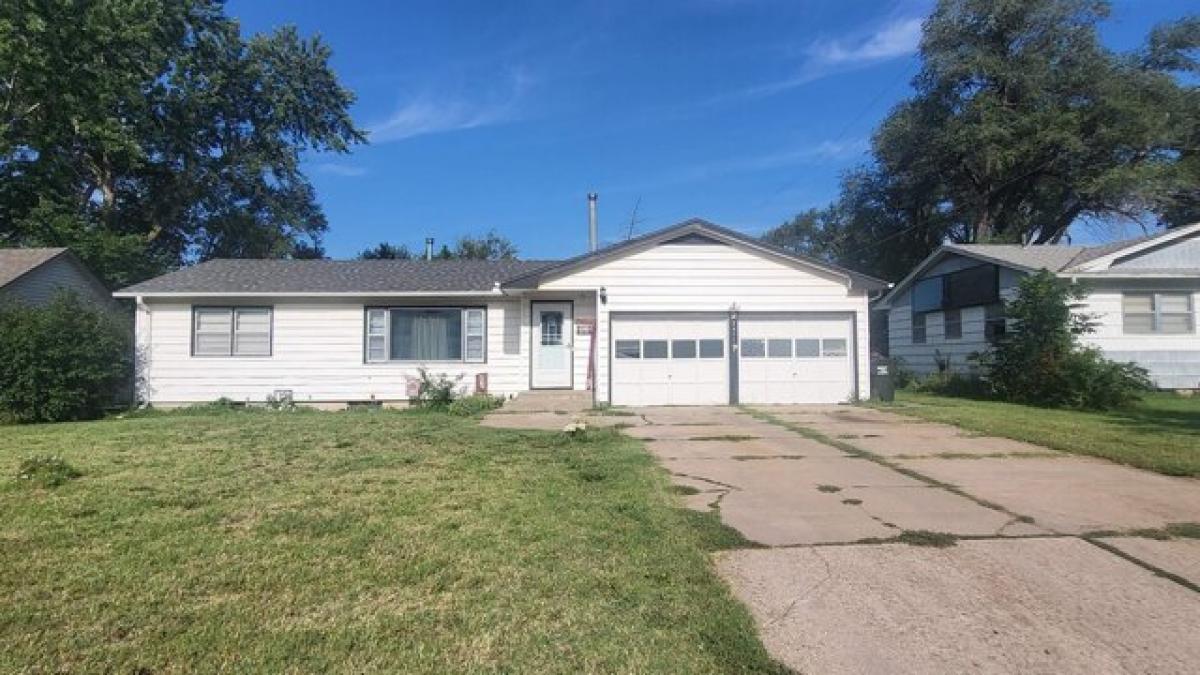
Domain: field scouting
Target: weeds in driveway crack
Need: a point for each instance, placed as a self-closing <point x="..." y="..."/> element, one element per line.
<point x="855" y="451"/>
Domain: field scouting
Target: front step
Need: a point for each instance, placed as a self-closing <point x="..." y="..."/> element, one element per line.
<point x="548" y="400"/>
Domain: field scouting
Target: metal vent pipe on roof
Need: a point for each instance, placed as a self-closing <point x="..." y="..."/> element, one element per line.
<point x="592" y="197"/>
<point x="429" y="248"/>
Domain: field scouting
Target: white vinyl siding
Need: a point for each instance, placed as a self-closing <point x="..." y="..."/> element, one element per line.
<point x="231" y="331"/>
<point x="1173" y="358"/>
<point x="317" y="352"/>
<point x="715" y="278"/>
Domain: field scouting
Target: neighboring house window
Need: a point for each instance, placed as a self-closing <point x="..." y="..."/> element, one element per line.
<point x="994" y="325"/>
<point x="1165" y="313"/>
<point x="231" y="331"/>
<point x="952" y="323"/>
<point x="426" y="334"/>
<point x="918" y="328"/>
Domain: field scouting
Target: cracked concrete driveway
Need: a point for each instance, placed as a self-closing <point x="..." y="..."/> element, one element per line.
<point x="826" y="488"/>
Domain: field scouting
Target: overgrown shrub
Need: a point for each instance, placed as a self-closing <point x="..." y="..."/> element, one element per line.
<point x="436" y="390"/>
<point x="64" y="361"/>
<point x="469" y="406"/>
<point x="902" y="376"/>
<point x="1040" y="360"/>
<point x="47" y="471"/>
<point x="950" y="383"/>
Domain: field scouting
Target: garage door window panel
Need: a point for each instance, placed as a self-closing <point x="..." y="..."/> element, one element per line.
<point x="654" y="349"/>
<point x="779" y="348"/>
<point x="712" y="349"/>
<point x="683" y="349"/>
<point x="754" y="349"/>
<point x="832" y="348"/>
<point x="808" y="349"/>
<point x="629" y="349"/>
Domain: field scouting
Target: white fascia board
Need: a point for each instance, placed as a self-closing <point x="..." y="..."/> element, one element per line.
<point x="356" y="294"/>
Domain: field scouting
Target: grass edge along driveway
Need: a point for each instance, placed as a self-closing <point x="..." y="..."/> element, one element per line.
<point x="1161" y="433"/>
<point x="385" y="541"/>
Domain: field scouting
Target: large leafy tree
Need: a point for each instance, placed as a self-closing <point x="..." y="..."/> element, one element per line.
<point x="1022" y="123"/>
<point x="490" y="246"/>
<point x="1025" y="122"/>
<point x="149" y="133"/>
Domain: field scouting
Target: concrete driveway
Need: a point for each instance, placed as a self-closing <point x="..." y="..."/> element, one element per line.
<point x="1042" y="574"/>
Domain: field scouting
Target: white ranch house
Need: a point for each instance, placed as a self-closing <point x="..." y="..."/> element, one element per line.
<point x="693" y="314"/>
<point x="1143" y="297"/>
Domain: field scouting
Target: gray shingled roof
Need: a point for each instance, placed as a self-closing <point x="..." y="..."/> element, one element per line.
<point x="253" y="277"/>
<point x="337" y="276"/>
<point x="1053" y="258"/>
<point x="15" y="262"/>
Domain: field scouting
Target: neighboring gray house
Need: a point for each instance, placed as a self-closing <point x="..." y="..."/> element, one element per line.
<point x="34" y="275"/>
<point x="1143" y="296"/>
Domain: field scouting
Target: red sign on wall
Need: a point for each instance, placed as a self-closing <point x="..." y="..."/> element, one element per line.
<point x="584" y="326"/>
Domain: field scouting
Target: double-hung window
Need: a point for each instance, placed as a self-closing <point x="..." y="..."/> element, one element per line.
<point x="1158" y="313"/>
<point x="231" y="331"/>
<point x="424" y="334"/>
<point x="918" y="327"/>
<point x="952" y="324"/>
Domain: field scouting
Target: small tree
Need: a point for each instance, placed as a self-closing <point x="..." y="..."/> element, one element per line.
<point x="1040" y="361"/>
<point x="64" y="361"/>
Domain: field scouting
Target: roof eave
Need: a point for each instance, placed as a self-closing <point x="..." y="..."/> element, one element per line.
<point x="134" y="293"/>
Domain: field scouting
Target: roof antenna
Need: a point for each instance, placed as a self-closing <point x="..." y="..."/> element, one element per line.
<point x="633" y="218"/>
<point x="592" y="197"/>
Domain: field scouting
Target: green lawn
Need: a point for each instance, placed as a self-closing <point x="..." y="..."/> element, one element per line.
<point x="1162" y="433"/>
<point x="253" y="541"/>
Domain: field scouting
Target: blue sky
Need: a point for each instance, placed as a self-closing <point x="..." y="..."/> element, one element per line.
<point x="487" y="115"/>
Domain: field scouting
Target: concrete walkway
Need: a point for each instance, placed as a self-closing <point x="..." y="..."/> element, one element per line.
<point x="1041" y="574"/>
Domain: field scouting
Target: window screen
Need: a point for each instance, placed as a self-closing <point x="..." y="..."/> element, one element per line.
<point x="231" y="331"/>
<point x="1157" y="313"/>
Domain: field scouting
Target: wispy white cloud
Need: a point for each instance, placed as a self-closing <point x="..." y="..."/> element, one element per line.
<point x="439" y="112"/>
<point x="825" y="151"/>
<point x="894" y="39"/>
<point x="335" y="169"/>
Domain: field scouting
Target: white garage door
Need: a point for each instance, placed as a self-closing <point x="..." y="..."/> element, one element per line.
<point x="792" y="358"/>
<point x="670" y="359"/>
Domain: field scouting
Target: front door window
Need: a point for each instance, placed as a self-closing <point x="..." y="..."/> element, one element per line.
<point x="552" y="328"/>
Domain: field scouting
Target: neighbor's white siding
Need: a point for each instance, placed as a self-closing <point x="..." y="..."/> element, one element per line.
<point x="1173" y="360"/>
<point x="39" y="285"/>
<point x="317" y="352"/>
<point x="713" y="278"/>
